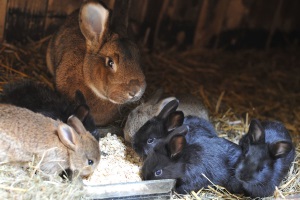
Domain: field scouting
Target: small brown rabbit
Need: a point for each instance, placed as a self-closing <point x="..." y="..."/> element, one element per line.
<point x="24" y="134"/>
<point x="92" y="55"/>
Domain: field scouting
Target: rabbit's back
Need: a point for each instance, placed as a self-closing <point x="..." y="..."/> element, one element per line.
<point x="199" y="127"/>
<point x="24" y="134"/>
<point x="61" y="43"/>
<point x="136" y="119"/>
<point x="192" y="106"/>
<point x="275" y="131"/>
<point x="30" y="128"/>
<point x="40" y="98"/>
<point x="215" y="161"/>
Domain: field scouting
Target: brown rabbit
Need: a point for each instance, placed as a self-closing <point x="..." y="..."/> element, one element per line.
<point x="91" y="55"/>
<point x="24" y="134"/>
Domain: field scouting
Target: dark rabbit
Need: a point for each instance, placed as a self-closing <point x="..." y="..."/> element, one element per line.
<point x="158" y="127"/>
<point x="189" y="105"/>
<point x="93" y="55"/>
<point x="187" y="159"/>
<point x="40" y="98"/>
<point x="267" y="156"/>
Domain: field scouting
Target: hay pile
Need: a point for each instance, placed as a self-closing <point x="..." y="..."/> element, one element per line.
<point x="235" y="86"/>
<point x="16" y="183"/>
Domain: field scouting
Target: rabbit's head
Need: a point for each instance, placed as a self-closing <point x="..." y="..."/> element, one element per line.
<point x="257" y="164"/>
<point x="144" y="112"/>
<point x="111" y="66"/>
<point x="157" y="128"/>
<point x="83" y="148"/>
<point x="165" y="160"/>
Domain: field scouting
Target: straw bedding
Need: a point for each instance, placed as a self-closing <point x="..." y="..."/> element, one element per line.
<point x="235" y="87"/>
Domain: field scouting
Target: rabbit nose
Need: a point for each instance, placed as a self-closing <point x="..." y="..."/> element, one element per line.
<point x="134" y="87"/>
<point x="132" y="94"/>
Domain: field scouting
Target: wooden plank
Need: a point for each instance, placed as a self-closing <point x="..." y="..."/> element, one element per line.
<point x="109" y="3"/>
<point x="3" y="5"/>
<point x="215" y="18"/>
<point x="202" y="18"/>
<point x="138" y="10"/>
<point x="57" y="11"/>
<point x="159" y="20"/>
<point x="274" y="24"/>
<point x="25" y="19"/>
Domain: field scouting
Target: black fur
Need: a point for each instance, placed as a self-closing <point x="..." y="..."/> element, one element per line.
<point x="267" y="155"/>
<point x="158" y="128"/>
<point x="42" y="99"/>
<point x="213" y="157"/>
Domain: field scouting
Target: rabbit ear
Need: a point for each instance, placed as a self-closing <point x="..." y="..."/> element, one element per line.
<point x="79" y="97"/>
<point x="67" y="136"/>
<point x="168" y="109"/>
<point x="155" y="97"/>
<point x="176" y="144"/>
<point x="120" y="17"/>
<point x="83" y="109"/>
<point x="182" y="130"/>
<point x="174" y="120"/>
<point x="82" y="112"/>
<point x="93" y="22"/>
<point x="280" y="149"/>
<point x="256" y="132"/>
<point x="75" y="123"/>
<point x="160" y="105"/>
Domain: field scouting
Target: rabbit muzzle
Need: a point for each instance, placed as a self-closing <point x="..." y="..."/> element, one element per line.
<point x="136" y="89"/>
<point x="135" y="92"/>
<point x="86" y="172"/>
<point x="129" y="93"/>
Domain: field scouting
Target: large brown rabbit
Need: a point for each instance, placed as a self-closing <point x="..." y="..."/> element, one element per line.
<point x="91" y="54"/>
<point x="24" y="134"/>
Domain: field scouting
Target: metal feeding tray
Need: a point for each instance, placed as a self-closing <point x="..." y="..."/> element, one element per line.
<point x="155" y="189"/>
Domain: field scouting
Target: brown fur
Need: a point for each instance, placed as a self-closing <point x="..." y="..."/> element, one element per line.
<point x="77" y="57"/>
<point x="24" y="134"/>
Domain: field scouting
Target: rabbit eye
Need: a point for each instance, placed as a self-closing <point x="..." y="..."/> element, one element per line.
<point x="158" y="172"/>
<point x="109" y="62"/>
<point x="90" y="162"/>
<point x="150" y="140"/>
<point x="260" y="169"/>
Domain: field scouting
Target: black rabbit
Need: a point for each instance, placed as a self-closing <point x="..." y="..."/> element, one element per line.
<point x="158" y="127"/>
<point x="42" y="99"/>
<point x="267" y="155"/>
<point x="192" y="161"/>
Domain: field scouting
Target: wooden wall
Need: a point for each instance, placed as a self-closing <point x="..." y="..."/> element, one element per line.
<point x="165" y="22"/>
<point x="3" y="5"/>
